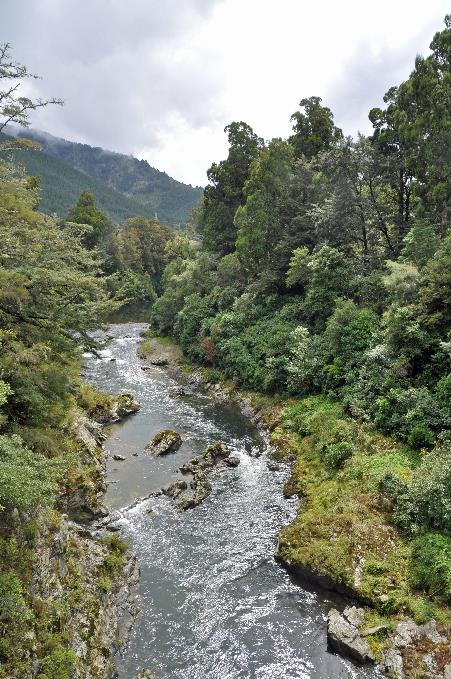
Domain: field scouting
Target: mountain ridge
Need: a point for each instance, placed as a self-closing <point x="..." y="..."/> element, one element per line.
<point x="150" y="190"/>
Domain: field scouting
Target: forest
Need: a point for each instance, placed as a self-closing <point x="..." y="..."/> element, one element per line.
<point x="316" y="270"/>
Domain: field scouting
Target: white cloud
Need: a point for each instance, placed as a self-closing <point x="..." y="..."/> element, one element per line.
<point x="162" y="79"/>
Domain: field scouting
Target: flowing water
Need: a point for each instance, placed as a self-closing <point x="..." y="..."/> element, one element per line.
<point x="213" y="602"/>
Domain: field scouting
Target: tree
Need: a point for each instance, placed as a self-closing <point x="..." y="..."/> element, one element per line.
<point x="225" y="191"/>
<point x="413" y="134"/>
<point x="141" y="245"/>
<point x="259" y="221"/>
<point x="435" y="293"/>
<point x="86" y="212"/>
<point x="51" y="297"/>
<point x="14" y="108"/>
<point x="421" y="243"/>
<point x="314" y="128"/>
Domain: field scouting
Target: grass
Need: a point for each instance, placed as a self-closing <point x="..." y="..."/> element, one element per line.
<point x="343" y="527"/>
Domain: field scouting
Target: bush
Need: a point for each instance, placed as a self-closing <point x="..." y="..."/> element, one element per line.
<point x="430" y="564"/>
<point x="27" y="479"/>
<point x="426" y="501"/>
<point x="336" y="454"/>
<point x="58" y="665"/>
<point x="412" y="414"/>
<point x="13" y="607"/>
<point x="94" y="402"/>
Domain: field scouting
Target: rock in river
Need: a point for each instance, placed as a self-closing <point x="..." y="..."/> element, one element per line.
<point x="187" y="495"/>
<point x="344" y="637"/>
<point x="164" y="442"/>
<point x="146" y="674"/>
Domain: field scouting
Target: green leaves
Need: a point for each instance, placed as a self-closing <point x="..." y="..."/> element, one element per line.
<point x="225" y="191"/>
<point x="27" y="479"/>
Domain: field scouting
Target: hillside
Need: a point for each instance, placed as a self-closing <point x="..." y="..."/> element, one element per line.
<point x="61" y="185"/>
<point x="173" y="201"/>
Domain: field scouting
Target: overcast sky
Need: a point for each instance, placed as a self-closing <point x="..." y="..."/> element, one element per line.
<point x="160" y="79"/>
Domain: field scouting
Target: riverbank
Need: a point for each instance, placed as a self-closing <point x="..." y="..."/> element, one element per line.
<point x="342" y="537"/>
<point x="70" y="600"/>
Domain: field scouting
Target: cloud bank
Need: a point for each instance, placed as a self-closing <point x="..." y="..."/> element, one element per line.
<point x="160" y="80"/>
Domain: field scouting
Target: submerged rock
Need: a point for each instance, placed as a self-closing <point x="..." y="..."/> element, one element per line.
<point x="273" y="466"/>
<point x="119" y="458"/>
<point x="232" y="461"/>
<point x="343" y="635"/>
<point x="164" y="442"/>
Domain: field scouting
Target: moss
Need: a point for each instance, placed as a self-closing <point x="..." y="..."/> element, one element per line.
<point x="94" y="402"/>
<point x="113" y="562"/>
<point x="146" y="348"/>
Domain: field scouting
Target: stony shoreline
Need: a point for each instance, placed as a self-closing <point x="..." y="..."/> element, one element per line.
<point x="78" y="556"/>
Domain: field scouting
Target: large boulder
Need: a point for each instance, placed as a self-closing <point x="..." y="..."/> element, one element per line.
<point x="164" y="442"/>
<point x="343" y="635"/>
<point x="125" y="405"/>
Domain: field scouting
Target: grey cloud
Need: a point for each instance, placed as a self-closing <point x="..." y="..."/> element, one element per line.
<point x="368" y="77"/>
<point x="116" y="65"/>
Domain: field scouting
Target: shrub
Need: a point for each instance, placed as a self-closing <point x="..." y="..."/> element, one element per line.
<point x="426" y="501"/>
<point x="14" y="609"/>
<point x="27" y="479"/>
<point x="430" y="564"/>
<point x="336" y="454"/>
<point x="58" y="665"/>
<point x="94" y="402"/>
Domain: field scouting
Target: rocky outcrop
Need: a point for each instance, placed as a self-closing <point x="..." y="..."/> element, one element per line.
<point x="418" y="647"/>
<point x="164" y="442"/>
<point x="344" y="637"/>
<point x="160" y="361"/>
<point x="188" y="494"/>
<point x="97" y="614"/>
<point x="122" y="406"/>
<point x="410" y="650"/>
<point x="82" y="498"/>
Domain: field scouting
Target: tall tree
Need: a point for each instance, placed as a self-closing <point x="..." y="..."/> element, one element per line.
<point x="313" y="128"/>
<point x="414" y="135"/>
<point x="224" y="193"/>
<point x="13" y="107"/>
<point x="259" y="220"/>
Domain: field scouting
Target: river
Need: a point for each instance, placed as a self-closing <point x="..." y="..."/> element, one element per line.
<point x="213" y="602"/>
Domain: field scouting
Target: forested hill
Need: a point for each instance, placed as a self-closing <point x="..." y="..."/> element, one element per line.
<point x="61" y="186"/>
<point x="155" y="191"/>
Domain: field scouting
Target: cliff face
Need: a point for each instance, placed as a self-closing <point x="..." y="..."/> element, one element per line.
<point x="72" y="598"/>
<point x="76" y="573"/>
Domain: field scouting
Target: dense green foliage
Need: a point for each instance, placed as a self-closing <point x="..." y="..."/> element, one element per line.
<point x="141" y="188"/>
<point x="333" y="277"/>
<point x="52" y="296"/>
<point x="336" y="274"/>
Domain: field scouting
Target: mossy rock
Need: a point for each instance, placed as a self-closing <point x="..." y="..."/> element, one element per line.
<point x="165" y="442"/>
